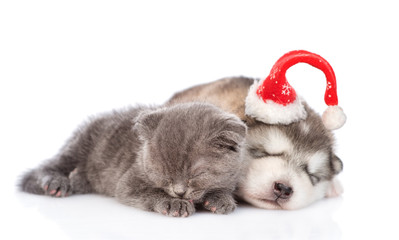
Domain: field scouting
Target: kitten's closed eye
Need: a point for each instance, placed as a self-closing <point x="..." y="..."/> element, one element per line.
<point x="198" y="192"/>
<point x="195" y="180"/>
<point x="196" y="175"/>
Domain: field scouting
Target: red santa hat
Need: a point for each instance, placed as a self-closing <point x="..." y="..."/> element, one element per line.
<point x="274" y="101"/>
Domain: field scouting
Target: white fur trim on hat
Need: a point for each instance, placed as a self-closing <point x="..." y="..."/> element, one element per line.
<point x="271" y="112"/>
<point x="333" y="117"/>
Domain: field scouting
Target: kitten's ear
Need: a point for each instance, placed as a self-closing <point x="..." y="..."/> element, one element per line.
<point x="232" y="135"/>
<point x="146" y="123"/>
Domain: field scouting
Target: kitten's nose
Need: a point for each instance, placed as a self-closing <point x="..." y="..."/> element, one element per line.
<point x="179" y="190"/>
<point x="179" y="193"/>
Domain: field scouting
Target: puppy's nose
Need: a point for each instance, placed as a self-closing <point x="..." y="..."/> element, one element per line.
<point x="282" y="191"/>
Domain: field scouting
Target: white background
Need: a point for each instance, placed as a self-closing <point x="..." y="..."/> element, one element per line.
<point x="61" y="61"/>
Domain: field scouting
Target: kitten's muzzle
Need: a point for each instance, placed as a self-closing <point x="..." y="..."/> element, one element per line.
<point x="180" y="194"/>
<point x="179" y="190"/>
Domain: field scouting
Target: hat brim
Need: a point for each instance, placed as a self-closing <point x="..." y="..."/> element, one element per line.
<point x="271" y="112"/>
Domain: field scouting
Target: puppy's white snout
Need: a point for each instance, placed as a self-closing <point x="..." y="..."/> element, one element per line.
<point x="282" y="191"/>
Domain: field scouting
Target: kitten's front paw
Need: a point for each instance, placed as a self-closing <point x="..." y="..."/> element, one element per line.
<point x="56" y="186"/>
<point x="220" y="203"/>
<point x="79" y="182"/>
<point x="175" y="208"/>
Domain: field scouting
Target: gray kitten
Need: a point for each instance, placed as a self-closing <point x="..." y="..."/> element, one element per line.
<point x="166" y="160"/>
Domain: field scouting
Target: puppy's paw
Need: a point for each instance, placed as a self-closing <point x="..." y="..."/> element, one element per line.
<point x="56" y="185"/>
<point x="335" y="189"/>
<point x="220" y="203"/>
<point x="175" y="207"/>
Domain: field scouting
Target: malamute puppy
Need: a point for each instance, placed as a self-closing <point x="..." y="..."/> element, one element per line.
<point x="290" y="166"/>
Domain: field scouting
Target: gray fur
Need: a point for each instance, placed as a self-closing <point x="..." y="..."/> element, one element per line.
<point x="166" y="160"/>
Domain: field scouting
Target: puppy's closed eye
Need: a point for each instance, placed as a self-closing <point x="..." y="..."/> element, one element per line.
<point x="260" y="153"/>
<point x="314" y="179"/>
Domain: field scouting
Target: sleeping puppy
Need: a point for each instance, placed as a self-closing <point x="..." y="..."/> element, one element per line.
<point x="290" y="166"/>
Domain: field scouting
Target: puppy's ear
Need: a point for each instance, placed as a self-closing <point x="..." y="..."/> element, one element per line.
<point x="146" y="123"/>
<point x="336" y="164"/>
<point x="232" y="134"/>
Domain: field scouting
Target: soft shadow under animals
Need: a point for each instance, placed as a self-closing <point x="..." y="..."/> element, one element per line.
<point x="98" y="217"/>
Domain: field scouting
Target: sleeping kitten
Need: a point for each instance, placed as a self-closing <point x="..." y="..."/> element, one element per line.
<point x="165" y="160"/>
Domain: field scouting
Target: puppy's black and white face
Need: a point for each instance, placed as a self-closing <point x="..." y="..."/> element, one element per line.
<point x="291" y="166"/>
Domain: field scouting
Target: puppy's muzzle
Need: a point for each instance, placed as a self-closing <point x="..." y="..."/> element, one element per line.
<point x="282" y="191"/>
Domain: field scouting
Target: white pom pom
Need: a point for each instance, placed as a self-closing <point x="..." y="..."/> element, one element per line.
<point x="333" y="117"/>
